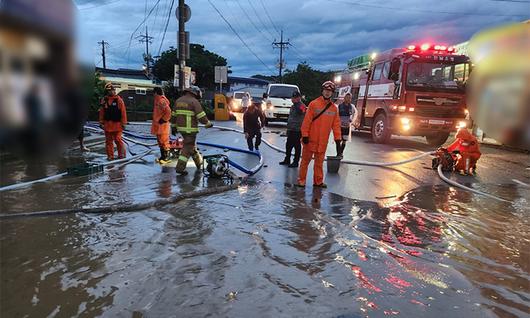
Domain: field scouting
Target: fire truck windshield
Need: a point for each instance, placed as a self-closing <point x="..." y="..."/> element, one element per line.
<point x="437" y="76"/>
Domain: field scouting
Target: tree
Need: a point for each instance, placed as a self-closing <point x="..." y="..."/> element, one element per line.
<point x="201" y="61"/>
<point x="308" y="79"/>
<point x="98" y="92"/>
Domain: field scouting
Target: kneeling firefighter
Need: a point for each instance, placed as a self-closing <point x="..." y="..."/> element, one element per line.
<point x="186" y="117"/>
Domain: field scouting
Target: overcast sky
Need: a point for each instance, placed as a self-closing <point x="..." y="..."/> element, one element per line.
<point x="325" y="33"/>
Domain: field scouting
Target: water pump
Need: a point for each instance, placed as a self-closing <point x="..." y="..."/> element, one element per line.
<point x="216" y="166"/>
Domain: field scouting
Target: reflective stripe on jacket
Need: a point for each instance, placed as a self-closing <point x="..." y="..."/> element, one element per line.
<point x="187" y="115"/>
<point x="318" y="130"/>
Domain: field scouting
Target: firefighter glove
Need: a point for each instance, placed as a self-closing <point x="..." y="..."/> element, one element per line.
<point x="209" y="125"/>
<point x="305" y="140"/>
<point x="161" y="121"/>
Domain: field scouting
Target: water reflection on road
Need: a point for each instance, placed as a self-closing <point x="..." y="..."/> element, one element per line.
<point x="273" y="250"/>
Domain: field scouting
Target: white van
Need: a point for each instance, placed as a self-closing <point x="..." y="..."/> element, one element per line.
<point x="235" y="104"/>
<point x="278" y="103"/>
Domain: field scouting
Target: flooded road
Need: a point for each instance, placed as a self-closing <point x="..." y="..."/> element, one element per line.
<point x="267" y="249"/>
<point x="270" y="250"/>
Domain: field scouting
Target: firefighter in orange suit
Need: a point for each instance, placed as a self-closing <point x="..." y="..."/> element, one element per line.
<point x="467" y="152"/>
<point x="160" y="126"/>
<point x="113" y="118"/>
<point x="321" y="118"/>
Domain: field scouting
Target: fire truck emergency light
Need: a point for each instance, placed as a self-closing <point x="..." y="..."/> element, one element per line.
<point x="428" y="47"/>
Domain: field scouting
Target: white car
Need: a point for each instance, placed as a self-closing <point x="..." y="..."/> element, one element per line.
<point x="236" y="102"/>
<point x="278" y="103"/>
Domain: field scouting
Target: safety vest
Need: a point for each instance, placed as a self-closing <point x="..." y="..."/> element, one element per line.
<point x="187" y="114"/>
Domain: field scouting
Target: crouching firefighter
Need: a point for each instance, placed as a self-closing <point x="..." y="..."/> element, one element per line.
<point x="186" y="117"/>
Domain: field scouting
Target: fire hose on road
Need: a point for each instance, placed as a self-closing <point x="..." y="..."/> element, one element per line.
<point x="390" y="164"/>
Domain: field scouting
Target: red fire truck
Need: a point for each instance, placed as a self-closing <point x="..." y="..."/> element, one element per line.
<point x="413" y="91"/>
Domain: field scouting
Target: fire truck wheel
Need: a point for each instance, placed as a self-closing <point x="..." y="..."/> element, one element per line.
<point x="437" y="140"/>
<point x="381" y="129"/>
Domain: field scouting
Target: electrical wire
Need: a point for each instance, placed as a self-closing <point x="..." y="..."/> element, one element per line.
<point x="260" y="20"/>
<point x="269" y="16"/>
<point x="165" y="28"/>
<point x="252" y="21"/>
<point x="409" y="9"/>
<point x="238" y="36"/>
<point x="138" y="27"/>
<point x="99" y="5"/>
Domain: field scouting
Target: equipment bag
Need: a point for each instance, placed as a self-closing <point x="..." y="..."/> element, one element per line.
<point x="112" y="111"/>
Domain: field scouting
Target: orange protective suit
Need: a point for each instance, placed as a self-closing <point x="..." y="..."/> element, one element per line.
<point x="318" y="132"/>
<point x="113" y="127"/>
<point x="469" y="150"/>
<point x="161" y="111"/>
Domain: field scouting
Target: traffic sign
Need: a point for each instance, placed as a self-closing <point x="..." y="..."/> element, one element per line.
<point x="187" y="13"/>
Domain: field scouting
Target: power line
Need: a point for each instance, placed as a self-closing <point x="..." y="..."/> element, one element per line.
<point x="167" y="23"/>
<point x="259" y="18"/>
<point x="99" y="5"/>
<point x="281" y="45"/>
<point x="269" y="16"/>
<point x="138" y="27"/>
<point x="408" y="9"/>
<point x="252" y="21"/>
<point x="147" y="40"/>
<point x="302" y="58"/>
<point x="239" y="37"/>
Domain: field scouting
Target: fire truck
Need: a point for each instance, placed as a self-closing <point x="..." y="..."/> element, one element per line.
<point x="414" y="91"/>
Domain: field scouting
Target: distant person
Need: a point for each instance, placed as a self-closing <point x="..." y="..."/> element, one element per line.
<point x="186" y="117"/>
<point x="294" y="134"/>
<point x="253" y="121"/>
<point x="321" y="118"/>
<point x="113" y="118"/>
<point x="160" y="126"/>
<point x="346" y="113"/>
<point x="245" y="101"/>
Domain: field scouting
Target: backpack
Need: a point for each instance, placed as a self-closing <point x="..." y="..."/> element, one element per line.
<point x="112" y="111"/>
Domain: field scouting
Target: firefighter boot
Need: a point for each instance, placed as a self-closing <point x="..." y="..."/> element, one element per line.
<point x="161" y="154"/>
<point x="181" y="166"/>
<point x="197" y="159"/>
<point x="164" y="158"/>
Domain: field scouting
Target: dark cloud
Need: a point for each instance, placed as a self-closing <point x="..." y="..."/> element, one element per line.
<point x="326" y="33"/>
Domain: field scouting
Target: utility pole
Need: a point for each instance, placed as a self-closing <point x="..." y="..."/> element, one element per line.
<point x="103" y="44"/>
<point x="147" y="39"/>
<point x="182" y="43"/>
<point x="281" y="45"/>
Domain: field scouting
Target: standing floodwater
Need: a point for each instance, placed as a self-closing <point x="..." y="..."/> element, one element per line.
<point x="272" y="250"/>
